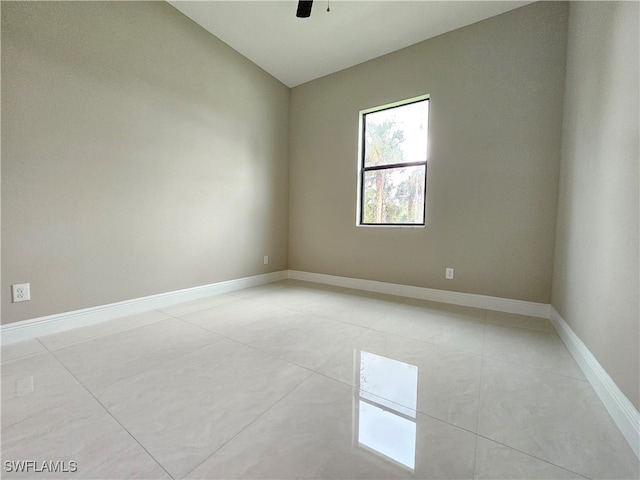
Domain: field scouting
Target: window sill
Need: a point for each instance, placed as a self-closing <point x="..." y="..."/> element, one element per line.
<point x="366" y="225"/>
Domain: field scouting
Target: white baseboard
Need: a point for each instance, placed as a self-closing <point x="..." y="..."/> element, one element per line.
<point x="465" y="299"/>
<point x="37" y="327"/>
<point x="622" y="411"/>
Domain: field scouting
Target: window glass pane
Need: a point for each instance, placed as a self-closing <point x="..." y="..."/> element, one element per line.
<point x="394" y="195"/>
<point x="396" y="135"/>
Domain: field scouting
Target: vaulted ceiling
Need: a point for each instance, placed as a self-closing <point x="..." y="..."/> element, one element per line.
<point x="297" y="50"/>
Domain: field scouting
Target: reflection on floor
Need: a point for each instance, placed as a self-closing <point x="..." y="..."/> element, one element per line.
<point x="385" y="405"/>
<point x="296" y="380"/>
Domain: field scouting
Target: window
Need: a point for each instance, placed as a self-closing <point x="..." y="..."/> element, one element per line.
<point x="393" y="163"/>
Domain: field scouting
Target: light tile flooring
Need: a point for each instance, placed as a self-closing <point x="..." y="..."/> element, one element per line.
<point x="296" y="380"/>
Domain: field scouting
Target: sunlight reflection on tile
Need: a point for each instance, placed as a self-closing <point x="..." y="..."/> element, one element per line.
<point x="314" y="433"/>
<point x="448" y="380"/>
<point x="386" y="404"/>
<point x="362" y="385"/>
<point x="394" y="381"/>
<point x="387" y="433"/>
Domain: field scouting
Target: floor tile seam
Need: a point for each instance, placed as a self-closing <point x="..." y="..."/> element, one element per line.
<point x="439" y="345"/>
<point x="480" y="392"/>
<point x="38" y="413"/>
<point x="180" y="315"/>
<point x="390" y="310"/>
<point x="534" y="456"/>
<point x="326" y="317"/>
<point x="537" y="369"/>
<point x="353" y="340"/>
<point x="88" y="339"/>
<point x="37" y="339"/>
<point x="138" y="372"/>
<point x="24" y="357"/>
<point x="341" y="322"/>
<point x="458" y="316"/>
<point x="94" y="337"/>
<point x="293" y="308"/>
<point x="482" y="318"/>
<point x="459" y="427"/>
<point x="421" y="412"/>
<point x="110" y="414"/>
<point x="295" y="387"/>
<point x="518" y="363"/>
<point x="288" y="361"/>
<point x="371" y="327"/>
<point x="320" y="317"/>
<point x="205" y="307"/>
<point x="484" y="340"/>
<point x="397" y="305"/>
<point x="177" y="315"/>
<point x="193" y="322"/>
<point x="86" y="388"/>
<point x="231" y="339"/>
<point x="522" y="327"/>
<point x="232" y="297"/>
<point x="552" y="340"/>
<point x="475" y="456"/>
<point x="315" y="315"/>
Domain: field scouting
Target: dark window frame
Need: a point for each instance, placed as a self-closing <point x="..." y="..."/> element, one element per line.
<point x="363" y="169"/>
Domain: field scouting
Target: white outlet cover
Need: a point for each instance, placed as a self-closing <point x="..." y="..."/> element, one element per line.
<point x="266" y="259"/>
<point x="448" y="273"/>
<point x="20" y="292"/>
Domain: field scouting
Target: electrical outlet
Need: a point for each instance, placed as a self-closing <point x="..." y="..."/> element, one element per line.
<point x="266" y="259"/>
<point x="20" y="292"/>
<point x="448" y="273"/>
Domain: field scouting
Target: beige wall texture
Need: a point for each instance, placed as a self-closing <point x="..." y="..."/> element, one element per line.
<point x="140" y="155"/>
<point x="495" y="134"/>
<point x="595" y="281"/>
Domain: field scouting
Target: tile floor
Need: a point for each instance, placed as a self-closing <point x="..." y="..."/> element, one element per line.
<point x="296" y="380"/>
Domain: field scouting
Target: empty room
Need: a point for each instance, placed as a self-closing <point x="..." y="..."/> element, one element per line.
<point x="320" y="240"/>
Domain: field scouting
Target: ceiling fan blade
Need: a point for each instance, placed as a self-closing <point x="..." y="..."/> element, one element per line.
<point x="304" y="8"/>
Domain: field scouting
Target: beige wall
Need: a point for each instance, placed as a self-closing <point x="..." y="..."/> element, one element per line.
<point x="140" y="155"/>
<point x="595" y="281"/>
<point x="495" y="120"/>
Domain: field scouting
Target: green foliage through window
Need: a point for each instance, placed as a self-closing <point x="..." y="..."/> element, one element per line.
<point x="394" y="164"/>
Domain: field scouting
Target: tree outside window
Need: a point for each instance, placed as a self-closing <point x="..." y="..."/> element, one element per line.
<point x="394" y="164"/>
